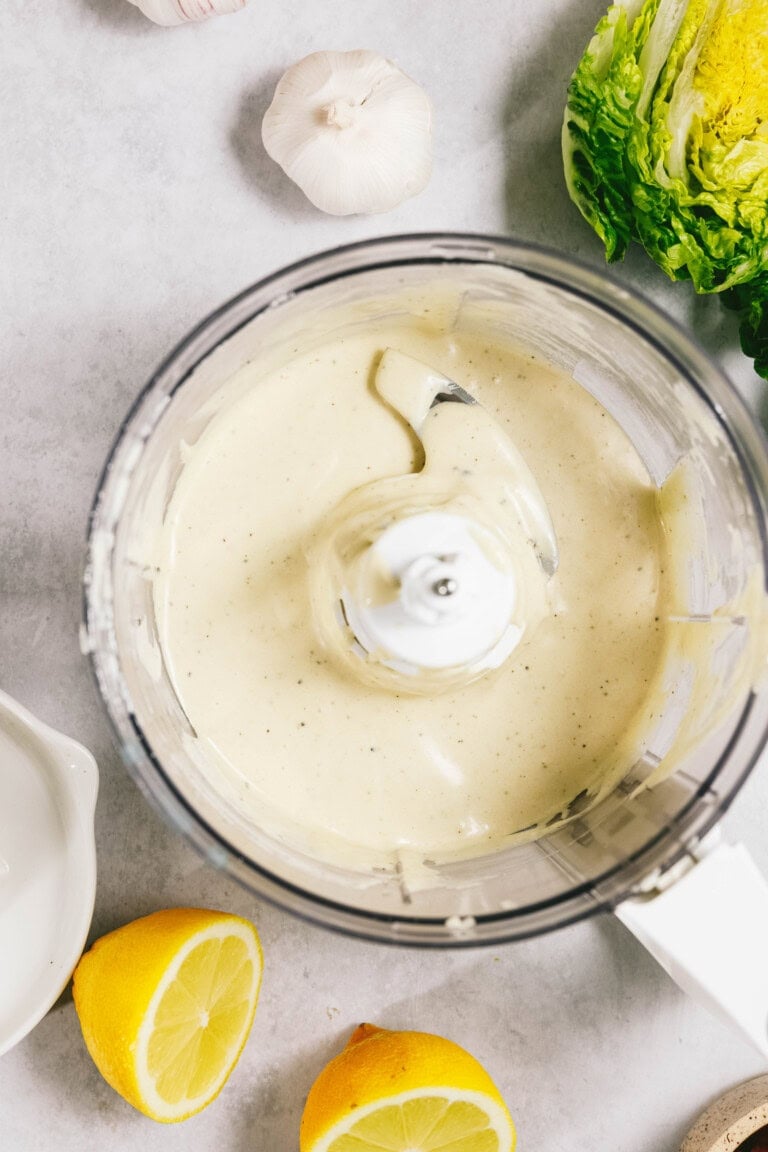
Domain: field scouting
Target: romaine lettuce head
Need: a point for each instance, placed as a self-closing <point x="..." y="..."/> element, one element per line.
<point x="665" y="141"/>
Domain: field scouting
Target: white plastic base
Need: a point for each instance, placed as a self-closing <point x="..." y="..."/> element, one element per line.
<point x="418" y="628"/>
<point x="709" y="930"/>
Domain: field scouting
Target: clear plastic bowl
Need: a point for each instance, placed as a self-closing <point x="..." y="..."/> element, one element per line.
<point x="671" y="400"/>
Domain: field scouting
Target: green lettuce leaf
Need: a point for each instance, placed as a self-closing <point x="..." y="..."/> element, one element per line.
<point x="665" y="142"/>
<point x="751" y="302"/>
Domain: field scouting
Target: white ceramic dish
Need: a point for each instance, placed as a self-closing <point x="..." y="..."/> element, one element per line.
<point x="48" y="786"/>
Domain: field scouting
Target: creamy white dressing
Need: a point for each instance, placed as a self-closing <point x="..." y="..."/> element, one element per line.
<point x="362" y="774"/>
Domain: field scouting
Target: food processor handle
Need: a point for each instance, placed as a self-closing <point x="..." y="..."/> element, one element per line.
<point x="709" y="929"/>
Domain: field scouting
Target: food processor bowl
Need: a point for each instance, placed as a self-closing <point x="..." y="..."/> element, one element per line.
<point x="672" y="402"/>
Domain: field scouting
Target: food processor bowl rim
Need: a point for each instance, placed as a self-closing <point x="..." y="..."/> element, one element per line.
<point x="436" y="248"/>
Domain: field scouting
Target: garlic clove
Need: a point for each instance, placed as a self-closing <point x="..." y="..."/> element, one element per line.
<point x="352" y="130"/>
<point x="172" y="12"/>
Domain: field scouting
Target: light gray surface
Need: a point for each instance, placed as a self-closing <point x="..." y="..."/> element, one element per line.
<point x="136" y="197"/>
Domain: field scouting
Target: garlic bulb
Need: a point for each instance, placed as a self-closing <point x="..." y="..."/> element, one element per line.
<point x="170" y="12"/>
<point x="352" y="130"/>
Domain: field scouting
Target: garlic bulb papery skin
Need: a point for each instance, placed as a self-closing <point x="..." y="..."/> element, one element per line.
<point x="172" y="12"/>
<point x="352" y="130"/>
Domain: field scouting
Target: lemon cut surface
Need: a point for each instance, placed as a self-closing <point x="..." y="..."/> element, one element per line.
<point x="166" y="1004"/>
<point x="404" y="1092"/>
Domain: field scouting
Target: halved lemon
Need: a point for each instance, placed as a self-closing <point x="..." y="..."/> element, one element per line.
<point x="404" y="1092"/>
<point x="166" y="1004"/>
